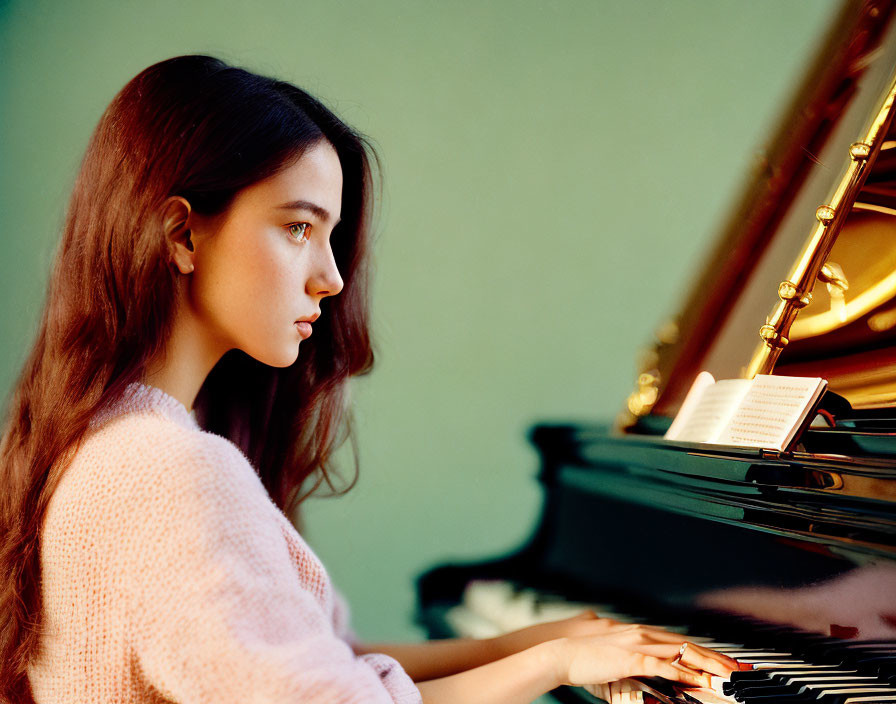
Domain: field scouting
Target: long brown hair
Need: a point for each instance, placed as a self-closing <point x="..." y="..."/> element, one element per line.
<point x="195" y="127"/>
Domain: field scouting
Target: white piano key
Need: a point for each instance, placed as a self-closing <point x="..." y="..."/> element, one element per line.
<point x="709" y="696"/>
<point x="487" y="597"/>
<point x="467" y="624"/>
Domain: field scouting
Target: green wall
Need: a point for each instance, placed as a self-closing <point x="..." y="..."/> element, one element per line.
<point x="553" y="171"/>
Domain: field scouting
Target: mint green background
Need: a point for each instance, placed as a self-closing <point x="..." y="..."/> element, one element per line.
<point x="553" y="171"/>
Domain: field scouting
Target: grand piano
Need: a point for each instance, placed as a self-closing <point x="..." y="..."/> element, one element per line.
<point x="785" y="559"/>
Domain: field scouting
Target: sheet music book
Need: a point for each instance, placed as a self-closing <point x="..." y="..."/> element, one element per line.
<point x="766" y="411"/>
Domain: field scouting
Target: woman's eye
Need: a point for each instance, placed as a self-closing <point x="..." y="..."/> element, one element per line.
<point x="299" y="231"/>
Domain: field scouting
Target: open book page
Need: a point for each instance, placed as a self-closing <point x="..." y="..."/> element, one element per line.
<point x="711" y="411"/>
<point x="771" y="411"/>
<point x="689" y="405"/>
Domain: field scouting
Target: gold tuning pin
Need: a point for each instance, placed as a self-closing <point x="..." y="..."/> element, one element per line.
<point x="833" y="276"/>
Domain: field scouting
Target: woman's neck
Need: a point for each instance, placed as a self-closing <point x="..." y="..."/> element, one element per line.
<point x="188" y="357"/>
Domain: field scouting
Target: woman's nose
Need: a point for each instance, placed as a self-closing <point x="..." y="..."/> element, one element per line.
<point x="326" y="280"/>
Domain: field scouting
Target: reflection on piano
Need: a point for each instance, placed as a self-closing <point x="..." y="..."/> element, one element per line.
<point x="785" y="560"/>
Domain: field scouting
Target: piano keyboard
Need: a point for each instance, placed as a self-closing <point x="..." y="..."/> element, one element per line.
<point x="789" y="666"/>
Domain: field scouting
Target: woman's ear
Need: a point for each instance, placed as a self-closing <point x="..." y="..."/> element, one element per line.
<point x="175" y="223"/>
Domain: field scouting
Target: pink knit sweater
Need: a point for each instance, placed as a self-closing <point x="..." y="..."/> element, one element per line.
<point x="169" y="575"/>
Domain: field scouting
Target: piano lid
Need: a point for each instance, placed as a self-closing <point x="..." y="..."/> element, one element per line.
<point x="847" y="333"/>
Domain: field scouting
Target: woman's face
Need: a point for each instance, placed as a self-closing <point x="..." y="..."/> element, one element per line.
<point x="266" y="262"/>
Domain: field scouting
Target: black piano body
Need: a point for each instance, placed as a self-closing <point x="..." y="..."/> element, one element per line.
<point x="667" y="521"/>
<point x="798" y="546"/>
<point x="679" y="532"/>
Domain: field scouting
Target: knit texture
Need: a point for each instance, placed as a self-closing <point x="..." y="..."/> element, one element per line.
<point x="169" y="575"/>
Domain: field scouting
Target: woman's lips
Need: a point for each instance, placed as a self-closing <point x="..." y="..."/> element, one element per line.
<point x="304" y="329"/>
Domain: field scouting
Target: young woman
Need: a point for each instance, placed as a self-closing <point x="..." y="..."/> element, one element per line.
<point x="166" y="422"/>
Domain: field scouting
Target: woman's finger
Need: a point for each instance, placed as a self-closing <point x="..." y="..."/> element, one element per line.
<point x="658" y="631"/>
<point x="660" y="650"/>
<point x="694" y="657"/>
<point x="648" y="633"/>
<point x="643" y="665"/>
<point x="698" y="657"/>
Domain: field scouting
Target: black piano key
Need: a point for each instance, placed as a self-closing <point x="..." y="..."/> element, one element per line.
<point x="820" y="692"/>
<point x="876" y="664"/>
<point x="741" y="679"/>
<point x="796" y="686"/>
<point x="829" y="676"/>
<point x="767" y="672"/>
<point x="788" y="698"/>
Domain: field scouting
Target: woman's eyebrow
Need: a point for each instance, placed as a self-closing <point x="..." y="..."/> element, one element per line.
<point x="314" y="208"/>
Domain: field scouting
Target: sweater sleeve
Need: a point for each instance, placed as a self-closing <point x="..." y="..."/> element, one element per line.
<point x="342" y="619"/>
<point x="217" y="610"/>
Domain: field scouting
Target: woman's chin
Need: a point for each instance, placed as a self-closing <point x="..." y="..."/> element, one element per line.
<point x="281" y="358"/>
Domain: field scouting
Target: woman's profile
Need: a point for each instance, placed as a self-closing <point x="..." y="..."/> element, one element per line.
<point x="207" y="308"/>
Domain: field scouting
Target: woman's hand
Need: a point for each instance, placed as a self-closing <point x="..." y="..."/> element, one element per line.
<point x="583" y="650"/>
<point x="636" y="651"/>
<point x="434" y="659"/>
<point x="586" y="623"/>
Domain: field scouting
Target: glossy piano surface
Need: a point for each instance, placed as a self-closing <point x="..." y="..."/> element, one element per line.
<point x="830" y="492"/>
<point x="670" y="521"/>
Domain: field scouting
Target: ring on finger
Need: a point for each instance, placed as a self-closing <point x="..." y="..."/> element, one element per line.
<point x="677" y="659"/>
